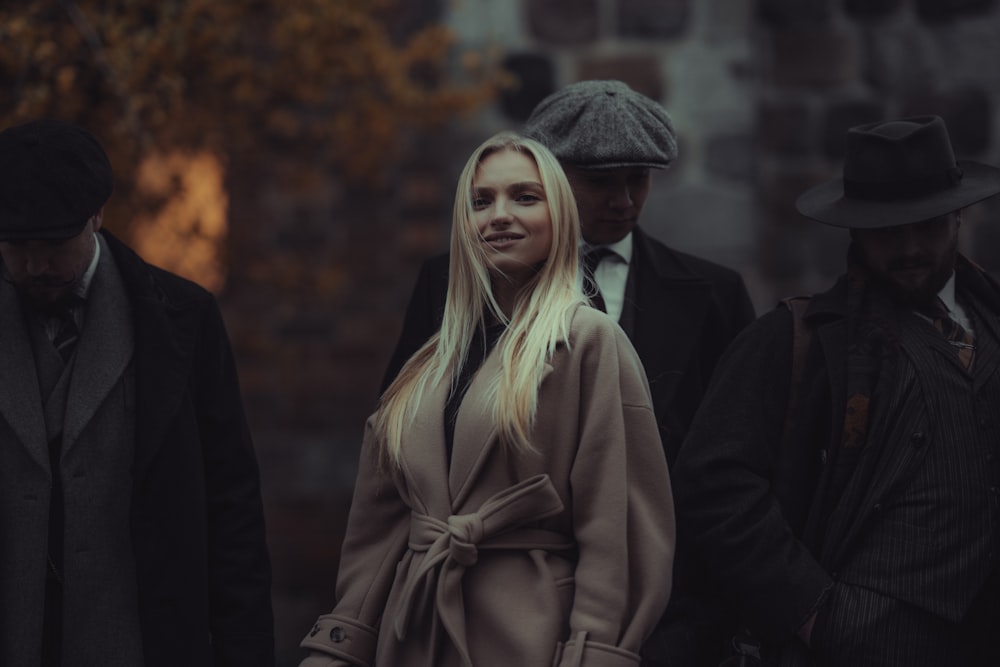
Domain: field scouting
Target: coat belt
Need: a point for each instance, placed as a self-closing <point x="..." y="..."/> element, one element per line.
<point x="453" y="545"/>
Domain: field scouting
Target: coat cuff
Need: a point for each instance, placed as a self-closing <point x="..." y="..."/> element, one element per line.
<point x="315" y="659"/>
<point x="580" y="652"/>
<point x="343" y="638"/>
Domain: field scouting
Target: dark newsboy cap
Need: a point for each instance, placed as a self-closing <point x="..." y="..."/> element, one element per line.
<point x="53" y="177"/>
<point x="603" y="125"/>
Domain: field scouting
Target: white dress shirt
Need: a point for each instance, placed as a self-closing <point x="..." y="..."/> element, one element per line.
<point x="611" y="274"/>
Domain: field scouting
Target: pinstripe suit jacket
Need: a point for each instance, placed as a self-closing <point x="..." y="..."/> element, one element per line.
<point x="765" y="514"/>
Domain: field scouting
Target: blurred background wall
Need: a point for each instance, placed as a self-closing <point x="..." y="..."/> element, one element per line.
<point x="299" y="158"/>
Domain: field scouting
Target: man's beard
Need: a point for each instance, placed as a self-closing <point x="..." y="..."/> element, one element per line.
<point x="922" y="295"/>
<point x="45" y="295"/>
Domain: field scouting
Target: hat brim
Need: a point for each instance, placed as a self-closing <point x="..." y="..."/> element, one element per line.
<point x="826" y="203"/>
<point x="38" y="233"/>
<point x="604" y="166"/>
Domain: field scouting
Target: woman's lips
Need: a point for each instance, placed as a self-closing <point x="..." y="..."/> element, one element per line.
<point x="501" y="241"/>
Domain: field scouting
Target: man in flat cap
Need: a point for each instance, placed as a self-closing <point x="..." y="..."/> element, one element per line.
<point x="131" y="526"/>
<point x="841" y="480"/>
<point x="679" y="311"/>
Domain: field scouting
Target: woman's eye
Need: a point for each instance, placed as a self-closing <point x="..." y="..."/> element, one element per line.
<point x="528" y="197"/>
<point x="479" y="203"/>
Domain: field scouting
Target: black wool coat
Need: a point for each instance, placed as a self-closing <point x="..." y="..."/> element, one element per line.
<point x="771" y="501"/>
<point x="744" y="488"/>
<point x="197" y="520"/>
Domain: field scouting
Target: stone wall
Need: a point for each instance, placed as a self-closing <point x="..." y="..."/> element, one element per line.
<point x="826" y="66"/>
<point x="761" y="94"/>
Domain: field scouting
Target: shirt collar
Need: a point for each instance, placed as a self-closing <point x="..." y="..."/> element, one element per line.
<point x="622" y="248"/>
<point x="83" y="287"/>
<point x="947" y="294"/>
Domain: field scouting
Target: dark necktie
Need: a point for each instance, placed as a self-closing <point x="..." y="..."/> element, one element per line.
<point x="591" y="259"/>
<point x="956" y="335"/>
<point x="67" y="334"/>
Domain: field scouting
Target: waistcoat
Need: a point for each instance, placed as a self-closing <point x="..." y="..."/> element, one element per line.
<point x="932" y="539"/>
<point x="89" y="417"/>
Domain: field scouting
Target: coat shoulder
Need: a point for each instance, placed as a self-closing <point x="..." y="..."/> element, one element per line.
<point x="600" y="343"/>
<point x="673" y="260"/>
<point x="591" y="325"/>
<point x="146" y="280"/>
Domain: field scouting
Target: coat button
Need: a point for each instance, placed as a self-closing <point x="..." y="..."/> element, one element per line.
<point x="919" y="439"/>
<point x="337" y="634"/>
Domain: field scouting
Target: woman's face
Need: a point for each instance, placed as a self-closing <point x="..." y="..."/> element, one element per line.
<point x="512" y="215"/>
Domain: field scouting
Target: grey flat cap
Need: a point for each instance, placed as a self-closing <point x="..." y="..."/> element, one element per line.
<point x="604" y="125"/>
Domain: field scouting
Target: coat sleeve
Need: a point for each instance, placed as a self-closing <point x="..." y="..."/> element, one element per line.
<point x="695" y="624"/>
<point x="239" y="567"/>
<point x="374" y="543"/>
<point x="623" y="517"/>
<point x="724" y="482"/>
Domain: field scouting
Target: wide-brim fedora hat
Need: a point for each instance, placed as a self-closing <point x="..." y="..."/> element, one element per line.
<point x="898" y="172"/>
<point x="54" y="176"/>
<point x="603" y="124"/>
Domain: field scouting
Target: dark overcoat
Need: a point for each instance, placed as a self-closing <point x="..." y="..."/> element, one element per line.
<point x="196" y="519"/>
<point x="774" y="503"/>
<point x="203" y="570"/>
<point x="745" y="489"/>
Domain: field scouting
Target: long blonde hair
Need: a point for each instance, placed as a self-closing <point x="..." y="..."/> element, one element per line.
<point x="539" y="320"/>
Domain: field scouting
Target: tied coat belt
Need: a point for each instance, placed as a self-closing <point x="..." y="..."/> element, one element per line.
<point x="452" y="546"/>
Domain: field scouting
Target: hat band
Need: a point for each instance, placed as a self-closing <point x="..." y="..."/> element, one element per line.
<point x="909" y="189"/>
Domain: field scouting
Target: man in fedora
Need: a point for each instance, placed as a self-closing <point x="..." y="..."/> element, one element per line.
<point x="841" y="481"/>
<point x="131" y="526"/>
<point x="679" y="311"/>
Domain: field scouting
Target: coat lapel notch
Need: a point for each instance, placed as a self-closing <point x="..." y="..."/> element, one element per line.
<point x="104" y="351"/>
<point x="165" y="335"/>
<point x="671" y="305"/>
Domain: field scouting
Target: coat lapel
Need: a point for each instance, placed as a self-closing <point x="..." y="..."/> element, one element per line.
<point x="671" y="304"/>
<point x="104" y="350"/>
<point x="20" y="400"/>
<point x="165" y="335"/>
<point x="475" y="432"/>
<point x="424" y="457"/>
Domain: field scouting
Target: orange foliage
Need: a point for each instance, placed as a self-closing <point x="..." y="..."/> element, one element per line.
<point x="231" y="76"/>
<point x="230" y="84"/>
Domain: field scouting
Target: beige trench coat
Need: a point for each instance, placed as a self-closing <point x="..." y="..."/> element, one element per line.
<point x="559" y="557"/>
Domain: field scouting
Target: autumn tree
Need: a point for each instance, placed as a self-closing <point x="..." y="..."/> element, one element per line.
<point x="237" y="79"/>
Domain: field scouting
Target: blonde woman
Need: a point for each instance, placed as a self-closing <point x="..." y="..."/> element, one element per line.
<point x="512" y="505"/>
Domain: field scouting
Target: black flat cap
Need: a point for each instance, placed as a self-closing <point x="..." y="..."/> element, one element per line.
<point x="53" y="177"/>
<point x="604" y="125"/>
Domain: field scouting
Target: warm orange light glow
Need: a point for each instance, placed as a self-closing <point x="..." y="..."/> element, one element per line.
<point x="187" y="234"/>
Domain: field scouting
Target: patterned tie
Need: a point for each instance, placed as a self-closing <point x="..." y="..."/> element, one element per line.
<point x="591" y="259"/>
<point x="67" y="334"/>
<point x="955" y="333"/>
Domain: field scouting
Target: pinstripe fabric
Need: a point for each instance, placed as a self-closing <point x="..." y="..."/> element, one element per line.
<point x="925" y="541"/>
